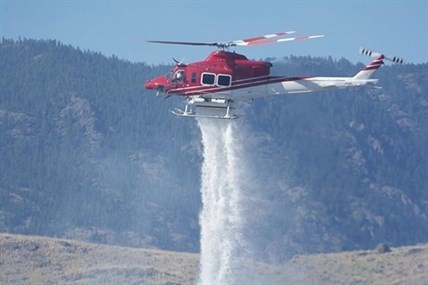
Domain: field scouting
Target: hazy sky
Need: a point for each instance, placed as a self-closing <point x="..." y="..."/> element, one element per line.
<point x="121" y="28"/>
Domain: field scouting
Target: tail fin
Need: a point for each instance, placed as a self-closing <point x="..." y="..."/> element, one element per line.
<point x="370" y="69"/>
<point x="375" y="64"/>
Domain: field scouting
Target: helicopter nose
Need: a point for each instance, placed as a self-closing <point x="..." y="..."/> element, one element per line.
<point x="157" y="83"/>
<point x="150" y="85"/>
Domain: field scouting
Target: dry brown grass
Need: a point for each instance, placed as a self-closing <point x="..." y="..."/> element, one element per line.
<point x="404" y="265"/>
<point x="39" y="260"/>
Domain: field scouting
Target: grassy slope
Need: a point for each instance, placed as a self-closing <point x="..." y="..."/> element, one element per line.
<point x="39" y="260"/>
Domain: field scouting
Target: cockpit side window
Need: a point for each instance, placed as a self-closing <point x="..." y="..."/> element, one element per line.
<point x="179" y="76"/>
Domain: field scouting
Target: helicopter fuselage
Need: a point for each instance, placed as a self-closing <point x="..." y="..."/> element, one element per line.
<point x="221" y="70"/>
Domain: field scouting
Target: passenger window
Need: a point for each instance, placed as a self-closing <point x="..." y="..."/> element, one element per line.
<point x="224" y="80"/>
<point x="208" y="78"/>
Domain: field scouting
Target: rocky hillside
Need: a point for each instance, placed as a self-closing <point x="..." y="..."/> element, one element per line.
<point x="87" y="154"/>
<point x="36" y="260"/>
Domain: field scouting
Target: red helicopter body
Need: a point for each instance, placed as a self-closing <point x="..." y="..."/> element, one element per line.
<point x="218" y="69"/>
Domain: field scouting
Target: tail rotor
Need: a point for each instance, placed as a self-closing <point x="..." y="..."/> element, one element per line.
<point x="375" y="54"/>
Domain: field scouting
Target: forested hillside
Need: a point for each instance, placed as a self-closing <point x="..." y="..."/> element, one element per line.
<point x="87" y="153"/>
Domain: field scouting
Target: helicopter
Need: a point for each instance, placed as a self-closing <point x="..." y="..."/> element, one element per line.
<point x="215" y="87"/>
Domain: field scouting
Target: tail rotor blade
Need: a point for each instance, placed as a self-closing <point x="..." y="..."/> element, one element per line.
<point x="370" y="53"/>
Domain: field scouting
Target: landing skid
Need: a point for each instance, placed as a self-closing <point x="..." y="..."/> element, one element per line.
<point x="181" y="113"/>
<point x="207" y="108"/>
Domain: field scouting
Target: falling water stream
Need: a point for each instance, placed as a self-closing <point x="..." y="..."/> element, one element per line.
<point x="223" y="244"/>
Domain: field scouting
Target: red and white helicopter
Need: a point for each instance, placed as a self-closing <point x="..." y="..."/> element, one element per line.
<point x="214" y="87"/>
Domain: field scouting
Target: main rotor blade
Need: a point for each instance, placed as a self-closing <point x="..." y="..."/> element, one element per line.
<point x="226" y="44"/>
<point x="255" y="39"/>
<point x="266" y="39"/>
<point x="273" y="41"/>
<point x="184" y="43"/>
